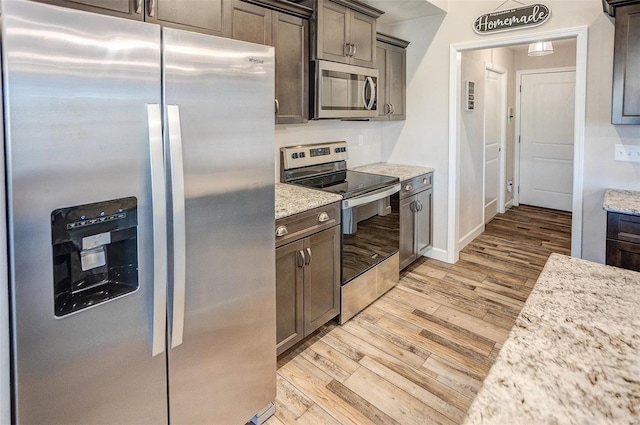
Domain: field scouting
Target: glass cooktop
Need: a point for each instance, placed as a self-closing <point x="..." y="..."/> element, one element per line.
<point x="348" y="183"/>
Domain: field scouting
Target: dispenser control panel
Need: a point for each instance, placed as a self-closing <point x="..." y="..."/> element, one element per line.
<point x="95" y="254"/>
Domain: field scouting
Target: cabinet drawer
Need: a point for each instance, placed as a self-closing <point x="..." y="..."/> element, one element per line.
<point x="306" y="223"/>
<point x="623" y="227"/>
<point x="623" y="254"/>
<point x="416" y="184"/>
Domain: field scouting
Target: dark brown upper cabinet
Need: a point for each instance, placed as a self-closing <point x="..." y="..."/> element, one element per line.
<point x="206" y="16"/>
<point x="391" y="62"/>
<point x="625" y="106"/>
<point x="287" y="30"/>
<point x="343" y="31"/>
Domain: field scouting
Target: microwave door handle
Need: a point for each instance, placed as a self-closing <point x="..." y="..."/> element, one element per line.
<point x="368" y="82"/>
<point x="159" y="224"/>
<point x="179" y="226"/>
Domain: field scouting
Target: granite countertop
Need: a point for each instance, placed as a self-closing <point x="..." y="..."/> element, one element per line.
<point x="622" y="201"/>
<point x="403" y="172"/>
<point x="573" y="355"/>
<point x="291" y="199"/>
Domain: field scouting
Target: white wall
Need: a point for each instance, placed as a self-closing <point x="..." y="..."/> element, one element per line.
<point x="424" y="138"/>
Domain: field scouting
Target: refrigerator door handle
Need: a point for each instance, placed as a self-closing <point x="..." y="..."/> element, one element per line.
<point x="158" y="202"/>
<point x="179" y="229"/>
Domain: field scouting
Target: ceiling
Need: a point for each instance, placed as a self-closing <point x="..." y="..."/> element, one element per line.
<point x="402" y="10"/>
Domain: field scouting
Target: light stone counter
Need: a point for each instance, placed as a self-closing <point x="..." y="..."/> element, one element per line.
<point x="291" y="199"/>
<point x="622" y="201"/>
<point x="573" y="356"/>
<point x="403" y="172"/>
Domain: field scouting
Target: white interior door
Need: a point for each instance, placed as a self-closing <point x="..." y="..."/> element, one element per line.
<point x="493" y="114"/>
<point x="546" y="139"/>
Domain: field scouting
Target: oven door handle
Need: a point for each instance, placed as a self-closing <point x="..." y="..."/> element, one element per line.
<point x="370" y="197"/>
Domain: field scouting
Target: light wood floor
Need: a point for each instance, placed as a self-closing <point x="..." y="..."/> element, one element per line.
<point x="419" y="354"/>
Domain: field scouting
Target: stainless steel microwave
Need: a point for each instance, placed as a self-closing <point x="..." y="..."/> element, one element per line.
<point x="343" y="91"/>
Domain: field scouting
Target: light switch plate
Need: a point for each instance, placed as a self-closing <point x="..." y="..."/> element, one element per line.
<point x="628" y="153"/>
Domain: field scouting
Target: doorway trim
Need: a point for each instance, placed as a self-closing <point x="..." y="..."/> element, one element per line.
<point x="516" y="153"/>
<point x="455" y="86"/>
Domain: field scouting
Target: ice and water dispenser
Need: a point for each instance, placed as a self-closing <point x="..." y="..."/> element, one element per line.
<point x="95" y="253"/>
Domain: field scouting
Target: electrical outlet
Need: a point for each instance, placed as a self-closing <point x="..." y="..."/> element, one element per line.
<point x="628" y="153"/>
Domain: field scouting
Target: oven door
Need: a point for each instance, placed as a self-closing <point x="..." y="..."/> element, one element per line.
<point x="370" y="230"/>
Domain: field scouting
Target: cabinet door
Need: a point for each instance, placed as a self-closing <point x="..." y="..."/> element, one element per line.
<point x="332" y="32"/>
<point x="250" y="23"/>
<point x="322" y="279"/>
<point x="423" y="220"/>
<point x="407" y="231"/>
<point x="205" y="16"/>
<point x="396" y="82"/>
<point x="289" y="293"/>
<point x="290" y="38"/>
<point x="131" y="9"/>
<point x="363" y="38"/>
<point x="626" y="66"/>
<point x="381" y="65"/>
<point x="623" y="254"/>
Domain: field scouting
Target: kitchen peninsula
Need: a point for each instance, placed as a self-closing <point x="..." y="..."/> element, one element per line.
<point x="572" y="355"/>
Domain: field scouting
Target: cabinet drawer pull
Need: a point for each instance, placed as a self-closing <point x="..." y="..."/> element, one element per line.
<point x="425" y="181"/>
<point x="277" y="107"/>
<point x="301" y="260"/>
<point x="323" y="216"/>
<point x="347" y="49"/>
<point x="281" y="231"/>
<point x="355" y="50"/>
<point x="152" y="8"/>
<point x="138" y="7"/>
<point x="419" y="205"/>
<point x="308" y="260"/>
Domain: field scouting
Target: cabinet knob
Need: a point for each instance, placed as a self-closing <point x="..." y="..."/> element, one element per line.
<point x="323" y="216"/>
<point x="425" y="181"/>
<point x="281" y="231"/>
<point x="408" y="187"/>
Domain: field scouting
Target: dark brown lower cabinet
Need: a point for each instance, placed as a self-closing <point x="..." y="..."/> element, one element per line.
<point x="307" y="286"/>
<point x="623" y="241"/>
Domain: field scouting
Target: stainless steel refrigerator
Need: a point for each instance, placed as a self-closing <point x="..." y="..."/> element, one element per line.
<point x="140" y="205"/>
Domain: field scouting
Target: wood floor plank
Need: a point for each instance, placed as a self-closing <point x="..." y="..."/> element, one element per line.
<point x="419" y="354"/>
<point x="479" y="326"/>
<point x="450" y="403"/>
<point x="396" y="403"/>
<point x="317" y="416"/>
<point x="317" y="391"/>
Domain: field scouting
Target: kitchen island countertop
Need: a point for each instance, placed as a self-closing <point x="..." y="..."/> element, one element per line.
<point x="292" y="199"/>
<point x="572" y="355"/>
<point x="403" y="172"/>
<point x="622" y="201"/>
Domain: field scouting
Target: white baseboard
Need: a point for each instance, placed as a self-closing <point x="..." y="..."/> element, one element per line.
<point x="466" y="239"/>
<point x="437" y="254"/>
<point x="508" y="204"/>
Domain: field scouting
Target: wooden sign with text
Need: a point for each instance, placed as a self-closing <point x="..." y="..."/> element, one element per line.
<point x="512" y="19"/>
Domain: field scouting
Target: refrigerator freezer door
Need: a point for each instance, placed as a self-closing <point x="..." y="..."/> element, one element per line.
<point x="224" y="370"/>
<point x="76" y="89"/>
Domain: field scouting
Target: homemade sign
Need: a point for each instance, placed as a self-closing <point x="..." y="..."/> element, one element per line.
<point x="512" y="19"/>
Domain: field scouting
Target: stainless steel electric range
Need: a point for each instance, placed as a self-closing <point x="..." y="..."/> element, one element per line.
<point x="370" y="219"/>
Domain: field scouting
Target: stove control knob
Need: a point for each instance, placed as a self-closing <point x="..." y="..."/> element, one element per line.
<point x="302" y="155"/>
<point x="337" y="150"/>
<point x="281" y="231"/>
<point x="408" y="187"/>
<point x="294" y="155"/>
